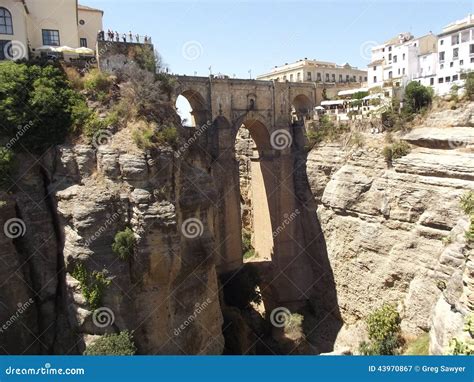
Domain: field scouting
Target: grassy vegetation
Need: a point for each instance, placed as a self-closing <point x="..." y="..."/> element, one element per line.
<point x="124" y="244"/>
<point x="469" y="85"/>
<point x="113" y="344"/>
<point x="384" y="331"/>
<point x="325" y="130"/>
<point x="92" y="284"/>
<point x="419" y="346"/>
<point x="98" y="85"/>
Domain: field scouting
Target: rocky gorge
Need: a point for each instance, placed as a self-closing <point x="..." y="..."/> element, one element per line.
<point x="393" y="233"/>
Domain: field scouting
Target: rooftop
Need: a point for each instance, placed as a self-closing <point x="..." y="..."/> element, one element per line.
<point x="86" y="8"/>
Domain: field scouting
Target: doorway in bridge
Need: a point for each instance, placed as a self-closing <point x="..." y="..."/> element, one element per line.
<point x="257" y="238"/>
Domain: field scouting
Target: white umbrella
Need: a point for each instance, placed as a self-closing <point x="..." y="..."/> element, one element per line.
<point x="46" y="47"/>
<point x="65" y="49"/>
<point x="84" y="50"/>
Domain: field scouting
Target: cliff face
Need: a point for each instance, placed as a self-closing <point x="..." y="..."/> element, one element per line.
<point x="73" y="201"/>
<point x="384" y="225"/>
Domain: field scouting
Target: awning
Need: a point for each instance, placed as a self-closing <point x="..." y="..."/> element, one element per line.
<point x="373" y="96"/>
<point x="65" y="49"/>
<point x="333" y="102"/>
<point x="352" y="91"/>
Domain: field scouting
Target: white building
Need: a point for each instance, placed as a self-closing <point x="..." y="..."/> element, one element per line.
<point x="437" y="61"/>
<point x="396" y="62"/>
<point x="455" y="54"/>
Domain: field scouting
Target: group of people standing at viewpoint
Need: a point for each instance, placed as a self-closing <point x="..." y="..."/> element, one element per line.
<point x="115" y="36"/>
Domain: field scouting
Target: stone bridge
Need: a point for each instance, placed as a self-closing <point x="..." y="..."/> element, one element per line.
<point x="272" y="112"/>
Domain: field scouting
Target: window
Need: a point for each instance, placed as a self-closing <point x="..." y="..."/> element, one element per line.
<point x="375" y="68"/>
<point x="4" y="49"/>
<point x="394" y="59"/>
<point x="82" y="22"/>
<point x="340" y="77"/>
<point x="298" y="77"/>
<point x="390" y="57"/>
<point x="455" y="53"/>
<point x="441" y="66"/>
<point x="464" y="36"/>
<point x="327" y="77"/>
<point x="440" y="80"/>
<point x="441" y="42"/>
<point x="472" y="60"/>
<point x="360" y="78"/>
<point x="51" y="37"/>
<point x="375" y="78"/>
<point x="441" y="56"/>
<point x="471" y="48"/>
<point x="284" y="78"/>
<point x="365" y="79"/>
<point x="333" y="78"/>
<point x="308" y="76"/>
<point x="403" y="71"/>
<point x="455" y="77"/>
<point x="398" y="71"/>
<point x="431" y="81"/>
<point x="319" y="76"/>
<point x="390" y="74"/>
<point x="455" y="39"/>
<point x="6" y="24"/>
<point x="447" y="79"/>
<point x="347" y="78"/>
<point x="461" y="62"/>
<point x="291" y="77"/>
<point x="403" y="56"/>
<point x="83" y="42"/>
<point x="451" y="64"/>
<point x="389" y="48"/>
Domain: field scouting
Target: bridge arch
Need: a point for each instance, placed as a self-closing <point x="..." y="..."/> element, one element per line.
<point x="199" y="109"/>
<point x="302" y="106"/>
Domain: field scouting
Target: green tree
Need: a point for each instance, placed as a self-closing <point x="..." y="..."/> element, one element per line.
<point x="384" y="331"/>
<point x="417" y="96"/>
<point x="40" y="97"/>
<point x="469" y="85"/>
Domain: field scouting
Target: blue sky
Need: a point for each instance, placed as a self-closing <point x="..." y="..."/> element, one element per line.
<point x="237" y="36"/>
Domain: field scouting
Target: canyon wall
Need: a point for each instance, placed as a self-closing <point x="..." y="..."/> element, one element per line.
<point x="395" y="233"/>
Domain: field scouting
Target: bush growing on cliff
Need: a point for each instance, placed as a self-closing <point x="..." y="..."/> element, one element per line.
<point x="247" y="247"/>
<point x="396" y="151"/>
<point x="98" y="84"/>
<point x="325" y="130"/>
<point x="39" y="99"/>
<point x="113" y="344"/>
<point x="124" y="244"/>
<point x="384" y="331"/>
<point x="469" y="85"/>
<point x="467" y="205"/>
<point x="6" y="166"/>
<point x="92" y="285"/>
